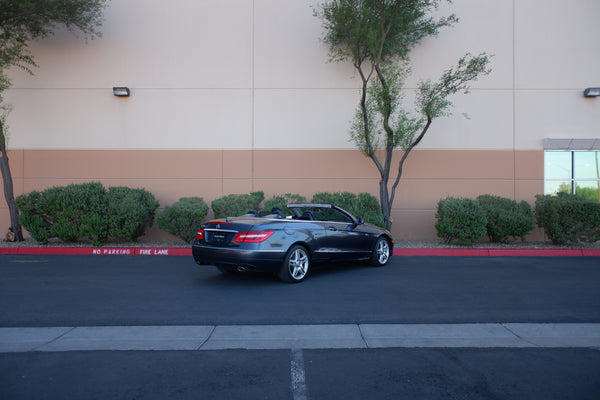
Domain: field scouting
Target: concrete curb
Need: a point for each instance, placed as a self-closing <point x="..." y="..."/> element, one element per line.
<point x="179" y="251"/>
<point x="261" y="337"/>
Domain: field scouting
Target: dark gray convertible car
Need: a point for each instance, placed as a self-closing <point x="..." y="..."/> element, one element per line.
<point x="290" y="245"/>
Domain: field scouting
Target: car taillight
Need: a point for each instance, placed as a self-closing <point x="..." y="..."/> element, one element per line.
<point x="253" y="236"/>
<point x="200" y="234"/>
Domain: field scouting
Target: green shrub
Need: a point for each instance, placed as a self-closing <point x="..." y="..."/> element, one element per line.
<point x="31" y="218"/>
<point x="130" y="212"/>
<point x="86" y="210"/>
<point x="568" y="218"/>
<point x="363" y="205"/>
<point x="234" y="205"/>
<point x="282" y="201"/>
<point x="68" y="212"/>
<point x="460" y="220"/>
<point x="506" y="218"/>
<point x="183" y="218"/>
<point x="34" y="216"/>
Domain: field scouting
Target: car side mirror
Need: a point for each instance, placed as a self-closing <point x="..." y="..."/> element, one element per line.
<point x="357" y="222"/>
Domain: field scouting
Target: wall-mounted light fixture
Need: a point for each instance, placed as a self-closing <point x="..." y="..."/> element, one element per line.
<point x="591" y="92"/>
<point x="121" y="91"/>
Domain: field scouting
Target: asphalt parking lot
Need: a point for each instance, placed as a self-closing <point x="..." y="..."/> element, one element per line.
<point x="422" y="327"/>
<point x="391" y="373"/>
<point x="127" y="290"/>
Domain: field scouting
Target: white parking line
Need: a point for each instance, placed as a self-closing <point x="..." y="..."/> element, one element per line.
<point x="297" y="375"/>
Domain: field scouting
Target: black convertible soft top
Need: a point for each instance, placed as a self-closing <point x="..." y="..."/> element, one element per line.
<point x="300" y="210"/>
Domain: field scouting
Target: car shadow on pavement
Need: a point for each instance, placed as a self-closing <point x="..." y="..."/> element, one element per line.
<point x="253" y="278"/>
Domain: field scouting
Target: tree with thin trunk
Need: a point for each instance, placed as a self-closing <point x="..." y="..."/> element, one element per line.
<point x="21" y="22"/>
<point x="377" y="36"/>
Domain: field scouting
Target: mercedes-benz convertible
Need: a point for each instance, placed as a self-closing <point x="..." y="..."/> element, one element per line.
<point x="289" y="245"/>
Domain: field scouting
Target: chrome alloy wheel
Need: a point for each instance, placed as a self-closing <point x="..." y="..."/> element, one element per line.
<point x="296" y="265"/>
<point x="382" y="252"/>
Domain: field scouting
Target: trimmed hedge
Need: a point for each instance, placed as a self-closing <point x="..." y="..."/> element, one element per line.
<point x="86" y="210"/>
<point x="363" y="205"/>
<point x="184" y="218"/>
<point x="506" y="218"/>
<point x="568" y="218"/>
<point x="234" y="205"/>
<point x="460" y="220"/>
<point x="130" y="212"/>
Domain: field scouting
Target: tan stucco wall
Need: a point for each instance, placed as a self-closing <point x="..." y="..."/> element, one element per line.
<point x="170" y="174"/>
<point x="227" y="74"/>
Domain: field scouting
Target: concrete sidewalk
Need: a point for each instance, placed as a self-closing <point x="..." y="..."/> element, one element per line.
<point x="210" y="337"/>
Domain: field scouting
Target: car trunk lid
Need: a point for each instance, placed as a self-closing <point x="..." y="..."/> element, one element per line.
<point x="223" y="232"/>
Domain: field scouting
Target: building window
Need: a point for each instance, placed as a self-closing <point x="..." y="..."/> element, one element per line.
<point x="575" y="172"/>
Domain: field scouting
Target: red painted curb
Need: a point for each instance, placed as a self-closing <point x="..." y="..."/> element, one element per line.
<point x="536" y="252"/>
<point x="442" y="252"/>
<point x="98" y="251"/>
<point x="498" y="252"/>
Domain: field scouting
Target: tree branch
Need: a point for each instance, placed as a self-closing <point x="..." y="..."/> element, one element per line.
<point x="405" y="156"/>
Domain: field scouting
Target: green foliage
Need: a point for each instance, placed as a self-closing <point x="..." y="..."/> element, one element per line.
<point x="234" y="205"/>
<point x="433" y="98"/>
<point x="67" y="212"/>
<point x="130" y="212"/>
<point x="36" y="19"/>
<point x="376" y="37"/>
<point x="184" y="218"/>
<point x="381" y="121"/>
<point x="34" y="216"/>
<point x="86" y="210"/>
<point x="568" y="218"/>
<point x="378" y="30"/>
<point x="22" y="21"/>
<point x="282" y="201"/>
<point x="589" y="193"/>
<point x="506" y="218"/>
<point x="460" y="220"/>
<point x="363" y="205"/>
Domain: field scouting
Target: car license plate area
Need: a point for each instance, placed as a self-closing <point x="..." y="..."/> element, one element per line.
<point x="219" y="238"/>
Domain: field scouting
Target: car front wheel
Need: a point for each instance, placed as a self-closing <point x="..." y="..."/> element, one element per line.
<point x="382" y="252"/>
<point x="295" y="266"/>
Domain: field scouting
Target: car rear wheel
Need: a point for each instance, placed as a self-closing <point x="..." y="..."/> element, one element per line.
<point x="295" y="266"/>
<point x="382" y="252"/>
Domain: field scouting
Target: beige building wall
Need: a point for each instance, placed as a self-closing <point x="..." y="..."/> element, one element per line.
<point x="170" y="174"/>
<point x="230" y="96"/>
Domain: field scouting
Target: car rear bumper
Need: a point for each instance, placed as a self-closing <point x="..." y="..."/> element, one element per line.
<point x="248" y="258"/>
